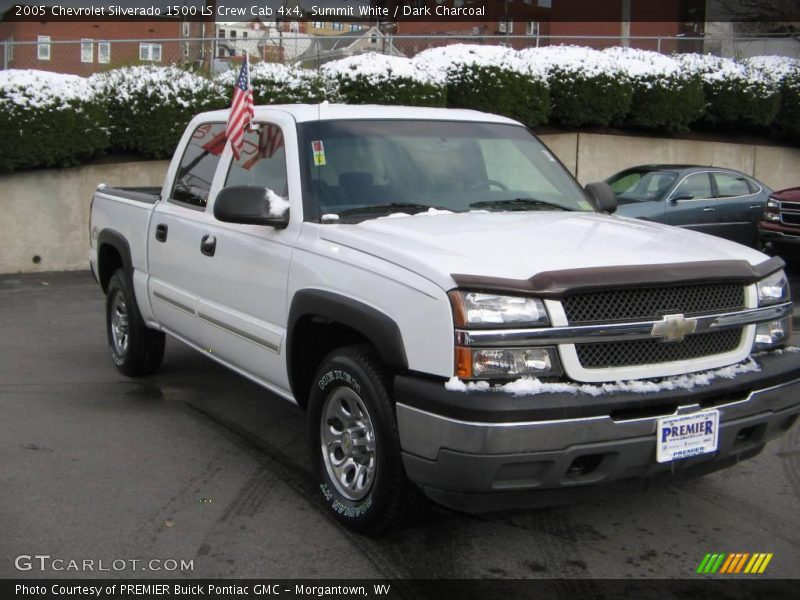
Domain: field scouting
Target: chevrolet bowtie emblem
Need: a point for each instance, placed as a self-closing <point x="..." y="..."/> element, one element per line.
<point x="673" y="328"/>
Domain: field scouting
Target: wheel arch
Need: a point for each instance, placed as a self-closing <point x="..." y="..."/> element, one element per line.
<point x="321" y="321"/>
<point x="113" y="252"/>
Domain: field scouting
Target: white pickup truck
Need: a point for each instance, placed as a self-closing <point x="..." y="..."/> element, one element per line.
<point x="454" y="312"/>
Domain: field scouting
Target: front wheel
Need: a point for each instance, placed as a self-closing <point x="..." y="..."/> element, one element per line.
<point x="135" y="348"/>
<point x="355" y="447"/>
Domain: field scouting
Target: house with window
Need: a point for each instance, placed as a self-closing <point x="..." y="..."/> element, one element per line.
<point x="334" y="27"/>
<point x="326" y="48"/>
<point x="541" y="22"/>
<point x="83" y="48"/>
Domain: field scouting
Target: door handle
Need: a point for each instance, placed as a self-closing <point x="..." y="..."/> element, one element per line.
<point x="161" y="232"/>
<point x="208" y="245"/>
<point x="709" y="209"/>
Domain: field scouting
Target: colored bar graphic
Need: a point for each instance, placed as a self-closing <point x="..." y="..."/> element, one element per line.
<point x="765" y="563"/>
<point x="741" y="563"/>
<point x="727" y="564"/>
<point x="718" y="563"/>
<point x="734" y="563"/>
<point x="704" y="563"/>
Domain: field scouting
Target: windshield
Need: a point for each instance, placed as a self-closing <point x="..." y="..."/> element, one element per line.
<point x="642" y="185"/>
<point x="362" y="169"/>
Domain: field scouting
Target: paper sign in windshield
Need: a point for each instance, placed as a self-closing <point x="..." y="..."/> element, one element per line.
<point x="319" y="152"/>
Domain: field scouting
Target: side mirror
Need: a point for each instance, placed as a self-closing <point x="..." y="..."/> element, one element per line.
<point x="682" y="196"/>
<point x="603" y="196"/>
<point x="251" y="205"/>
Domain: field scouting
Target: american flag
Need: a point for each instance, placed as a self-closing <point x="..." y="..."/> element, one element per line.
<point x="241" y="109"/>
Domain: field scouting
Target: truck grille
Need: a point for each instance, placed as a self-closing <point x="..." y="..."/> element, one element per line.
<point x="652" y="302"/>
<point x="790" y="218"/>
<point x="645" y="352"/>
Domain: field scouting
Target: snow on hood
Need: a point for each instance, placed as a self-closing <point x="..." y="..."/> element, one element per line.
<point x="519" y="245"/>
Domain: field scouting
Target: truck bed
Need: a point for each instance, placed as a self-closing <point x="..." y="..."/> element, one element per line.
<point x="148" y="195"/>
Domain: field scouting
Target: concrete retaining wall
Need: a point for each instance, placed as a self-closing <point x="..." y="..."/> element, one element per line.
<point x="592" y="157"/>
<point x="45" y="214"/>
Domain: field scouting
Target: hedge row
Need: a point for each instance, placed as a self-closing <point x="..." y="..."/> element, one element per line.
<point x="49" y="120"/>
<point x="53" y="120"/>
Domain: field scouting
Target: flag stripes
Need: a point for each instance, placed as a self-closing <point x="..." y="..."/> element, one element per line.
<point x="241" y="115"/>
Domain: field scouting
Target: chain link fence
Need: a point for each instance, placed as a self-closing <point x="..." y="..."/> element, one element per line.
<point x="215" y="55"/>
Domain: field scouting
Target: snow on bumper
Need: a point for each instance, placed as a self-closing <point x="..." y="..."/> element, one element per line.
<point x="500" y="441"/>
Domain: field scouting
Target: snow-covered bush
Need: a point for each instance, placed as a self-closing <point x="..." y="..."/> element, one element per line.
<point x="379" y="79"/>
<point x="489" y="78"/>
<point x="150" y="106"/>
<point x="785" y="74"/>
<point x="274" y="83"/>
<point x="586" y="86"/>
<point x="48" y="119"/>
<point x="737" y="95"/>
<point x="664" y="97"/>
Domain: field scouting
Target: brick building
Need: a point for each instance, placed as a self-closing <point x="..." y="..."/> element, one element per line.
<point x="83" y="48"/>
<point x="555" y="21"/>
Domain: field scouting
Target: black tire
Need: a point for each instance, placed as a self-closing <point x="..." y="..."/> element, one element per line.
<point x="143" y="349"/>
<point x="346" y="374"/>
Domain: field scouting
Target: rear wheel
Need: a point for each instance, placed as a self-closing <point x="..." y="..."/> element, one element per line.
<point x="355" y="447"/>
<point x="135" y="348"/>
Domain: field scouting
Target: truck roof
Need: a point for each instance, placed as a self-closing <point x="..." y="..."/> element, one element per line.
<point x="325" y="111"/>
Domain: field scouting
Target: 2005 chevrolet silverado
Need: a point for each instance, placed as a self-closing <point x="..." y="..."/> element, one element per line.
<point x="388" y="269"/>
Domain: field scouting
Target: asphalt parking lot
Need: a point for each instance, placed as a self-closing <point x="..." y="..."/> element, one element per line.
<point x="197" y="463"/>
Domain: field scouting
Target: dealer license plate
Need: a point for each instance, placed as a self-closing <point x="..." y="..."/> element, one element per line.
<point x="687" y="435"/>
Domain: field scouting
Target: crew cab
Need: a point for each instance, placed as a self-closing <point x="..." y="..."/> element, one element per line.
<point x="457" y="316"/>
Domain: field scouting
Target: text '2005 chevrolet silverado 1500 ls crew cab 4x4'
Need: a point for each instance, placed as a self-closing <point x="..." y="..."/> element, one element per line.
<point x="454" y="312"/>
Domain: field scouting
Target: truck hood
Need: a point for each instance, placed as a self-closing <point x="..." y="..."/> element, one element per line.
<point x="519" y="245"/>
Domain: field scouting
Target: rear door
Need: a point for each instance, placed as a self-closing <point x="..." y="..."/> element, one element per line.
<point x="692" y="204"/>
<point x="739" y="207"/>
<point x="176" y="226"/>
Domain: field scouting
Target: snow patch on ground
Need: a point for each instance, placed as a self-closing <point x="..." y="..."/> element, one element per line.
<point x="527" y="386"/>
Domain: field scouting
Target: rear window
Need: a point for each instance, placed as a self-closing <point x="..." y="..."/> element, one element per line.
<point x="642" y="185"/>
<point x="198" y="165"/>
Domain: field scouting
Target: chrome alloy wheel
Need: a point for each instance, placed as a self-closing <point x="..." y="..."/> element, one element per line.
<point x="119" y="324"/>
<point x="348" y="443"/>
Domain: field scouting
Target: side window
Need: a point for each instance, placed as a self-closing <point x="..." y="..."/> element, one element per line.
<point x="199" y="162"/>
<point x="698" y="185"/>
<point x="730" y="185"/>
<point x="262" y="161"/>
<point x="626" y="183"/>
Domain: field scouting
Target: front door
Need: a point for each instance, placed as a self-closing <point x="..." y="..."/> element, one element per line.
<point x="242" y="293"/>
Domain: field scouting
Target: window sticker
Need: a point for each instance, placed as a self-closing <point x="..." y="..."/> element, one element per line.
<point x="319" y="153"/>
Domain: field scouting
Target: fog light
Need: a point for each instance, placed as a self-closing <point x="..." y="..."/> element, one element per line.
<point x="773" y="333"/>
<point x="508" y="362"/>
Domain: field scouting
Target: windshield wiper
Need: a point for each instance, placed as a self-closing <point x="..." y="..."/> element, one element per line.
<point x="387" y="208"/>
<point x="517" y="204"/>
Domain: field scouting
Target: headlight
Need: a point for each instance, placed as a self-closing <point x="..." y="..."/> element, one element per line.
<point x="480" y="310"/>
<point x="773" y="289"/>
<point x="772" y="210"/>
<point x="774" y="333"/>
<point x="503" y="363"/>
